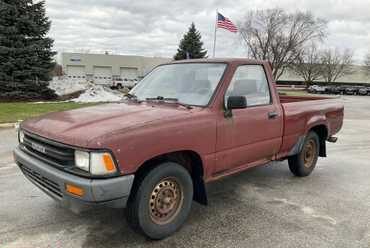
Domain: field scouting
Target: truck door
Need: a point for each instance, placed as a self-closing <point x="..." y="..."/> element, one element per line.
<point x="251" y="135"/>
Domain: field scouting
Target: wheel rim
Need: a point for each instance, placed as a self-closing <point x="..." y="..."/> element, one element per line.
<point x="309" y="153"/>
<point x="165" y="201"/>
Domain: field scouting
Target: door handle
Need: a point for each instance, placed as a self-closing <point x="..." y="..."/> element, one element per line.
<point x="272" y="115"/>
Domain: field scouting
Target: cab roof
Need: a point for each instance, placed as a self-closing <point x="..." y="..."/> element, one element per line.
<point x="221" y="60"/>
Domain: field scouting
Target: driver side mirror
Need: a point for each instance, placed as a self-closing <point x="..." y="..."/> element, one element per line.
<point x="236" y="102"/>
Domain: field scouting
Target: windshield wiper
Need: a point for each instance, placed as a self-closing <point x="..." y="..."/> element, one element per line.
<point x="132" y="97"/>
<point x="168" y="99"/>
<point x="161" y="98"/>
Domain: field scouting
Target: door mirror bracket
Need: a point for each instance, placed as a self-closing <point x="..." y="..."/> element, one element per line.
<point x="234" y="102"/>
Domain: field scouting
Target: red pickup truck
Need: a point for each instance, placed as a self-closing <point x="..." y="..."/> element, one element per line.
<point x="185" y="124"/>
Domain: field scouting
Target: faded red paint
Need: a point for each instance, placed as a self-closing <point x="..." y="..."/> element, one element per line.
<point x="137" y="132"/>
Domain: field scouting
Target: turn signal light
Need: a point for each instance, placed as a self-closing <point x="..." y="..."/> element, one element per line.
<point x="74" y="190"/>
<point x="108" y="162"/>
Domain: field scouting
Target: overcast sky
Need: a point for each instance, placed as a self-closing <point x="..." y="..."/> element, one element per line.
<point x="154" y="28"/>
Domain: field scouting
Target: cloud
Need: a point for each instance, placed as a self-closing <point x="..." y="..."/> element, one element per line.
<point x="154" y="28"/>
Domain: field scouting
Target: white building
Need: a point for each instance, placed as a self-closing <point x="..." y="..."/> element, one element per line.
<point x="105" y="68"/>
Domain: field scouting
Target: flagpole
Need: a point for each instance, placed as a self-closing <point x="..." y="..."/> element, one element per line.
<point x="215" y="35"/>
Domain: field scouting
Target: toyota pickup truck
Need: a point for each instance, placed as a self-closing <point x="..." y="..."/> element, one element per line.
<point x="187" y="123"/>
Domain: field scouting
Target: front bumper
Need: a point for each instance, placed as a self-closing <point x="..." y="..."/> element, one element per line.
<point x="110" y="192"/>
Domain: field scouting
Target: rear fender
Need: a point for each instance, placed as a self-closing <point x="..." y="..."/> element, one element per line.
<point x="319" y="121"/>
<point x="315" y="121"/>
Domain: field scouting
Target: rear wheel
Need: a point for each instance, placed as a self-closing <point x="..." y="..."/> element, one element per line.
<point x="304" y="163"/>
<point x="161" y="200"/>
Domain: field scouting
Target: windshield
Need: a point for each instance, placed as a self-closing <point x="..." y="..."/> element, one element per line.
<point x="188" y="83"/>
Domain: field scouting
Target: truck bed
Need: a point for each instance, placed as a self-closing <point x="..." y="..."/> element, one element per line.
<point x="288" y="99"/>
<point x="302" y="111"/>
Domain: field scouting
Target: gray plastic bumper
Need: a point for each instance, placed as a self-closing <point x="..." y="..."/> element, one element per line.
<point x="111" y="192"/>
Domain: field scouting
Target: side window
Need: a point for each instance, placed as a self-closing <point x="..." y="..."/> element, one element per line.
<point x="250" y="81"/>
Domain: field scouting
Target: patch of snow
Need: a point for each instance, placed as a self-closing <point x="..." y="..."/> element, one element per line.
<point x="43" y="102"/>
<point x="99" y="93"/>
<point x="93" y="92"/>
<point x="66" y="86"/>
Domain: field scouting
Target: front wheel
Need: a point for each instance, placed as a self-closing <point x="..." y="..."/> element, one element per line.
<point x="304" y="163"/>
<point x="161" y="200"/>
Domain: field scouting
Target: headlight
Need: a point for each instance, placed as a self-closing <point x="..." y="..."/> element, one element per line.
<point x="97" y="163"/>
<point x="82" y="160"/>
<point x="20" y="136"/>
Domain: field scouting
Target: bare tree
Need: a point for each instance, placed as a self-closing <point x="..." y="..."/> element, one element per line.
<point x="336" y="64"/>
<point x="278" y="36"/>
<point x="308" y="64"/>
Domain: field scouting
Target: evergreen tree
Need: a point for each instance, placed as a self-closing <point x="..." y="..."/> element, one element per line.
<point x="191" y="45"/>
<point x="26" y="55"/>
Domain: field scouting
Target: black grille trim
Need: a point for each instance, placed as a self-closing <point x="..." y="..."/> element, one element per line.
<point x="56" y="154"/>
<point x="61" y="148"/>
<point x="43" y="181"/>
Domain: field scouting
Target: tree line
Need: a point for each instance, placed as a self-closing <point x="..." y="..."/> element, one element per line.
<point x="290" y="41"/>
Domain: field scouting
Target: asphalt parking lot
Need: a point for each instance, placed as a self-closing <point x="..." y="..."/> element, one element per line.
<point x="263" y="207"/>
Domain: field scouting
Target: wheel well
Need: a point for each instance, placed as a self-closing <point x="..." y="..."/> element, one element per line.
<point x="190" y="160"/>
<point x="322" y="132"/>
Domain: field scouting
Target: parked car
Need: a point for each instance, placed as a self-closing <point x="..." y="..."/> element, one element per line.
<point x="351" y="90"/>
<point x="316" y="89"/>
<point x="119" y="83"/>
<point x="364" y="91"/>
<point x="337" y="90"/>
<point x="185" y="124"/>
<point x="311" y="89"/>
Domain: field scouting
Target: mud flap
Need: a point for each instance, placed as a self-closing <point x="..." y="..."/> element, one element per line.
<point x="200" y="192"/>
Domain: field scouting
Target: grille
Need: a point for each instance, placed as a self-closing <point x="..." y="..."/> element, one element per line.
<point x="51" y="152"/>
<point x="46" y="183"/>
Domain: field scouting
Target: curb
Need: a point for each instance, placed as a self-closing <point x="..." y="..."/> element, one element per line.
<point x="7" y="125"/>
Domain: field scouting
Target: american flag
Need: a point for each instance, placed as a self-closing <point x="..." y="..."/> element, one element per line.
<point x="223" y="22"/>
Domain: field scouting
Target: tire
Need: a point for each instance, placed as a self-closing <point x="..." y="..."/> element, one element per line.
<point x="302" y="164"/>
<point x="153" y="195"/>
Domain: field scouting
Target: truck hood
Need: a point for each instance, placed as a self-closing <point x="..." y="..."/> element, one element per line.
<point x="78" y="127"/>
